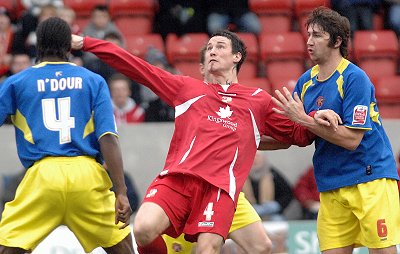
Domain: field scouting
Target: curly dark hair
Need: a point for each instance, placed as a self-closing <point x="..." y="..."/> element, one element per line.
<point x="53" y="39"/>
<point x="334" y="24"/>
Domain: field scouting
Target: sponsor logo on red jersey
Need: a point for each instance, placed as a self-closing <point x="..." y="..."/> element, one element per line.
<point x="224" y="117"/>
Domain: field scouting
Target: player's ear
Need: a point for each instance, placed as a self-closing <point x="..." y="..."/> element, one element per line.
<point x="201" y="68"/>
<point x="236" y="57"/>
<point x="338" y="42"/>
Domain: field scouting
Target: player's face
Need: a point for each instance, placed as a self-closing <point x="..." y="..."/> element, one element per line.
<point x="317" y="44"/>
<point x="219" y="57"/>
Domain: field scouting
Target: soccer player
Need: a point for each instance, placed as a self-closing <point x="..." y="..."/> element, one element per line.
<point x="355" y="169"/>
<point x="64" y="128"/>
<point x="218" y="125"/>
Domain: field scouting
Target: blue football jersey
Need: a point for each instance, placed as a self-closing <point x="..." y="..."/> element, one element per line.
<point x="58" y="109"/>
<point x="350" y="93"/>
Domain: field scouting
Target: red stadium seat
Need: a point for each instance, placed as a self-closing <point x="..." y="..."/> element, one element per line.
<point x="275" y="15"/>
<point x="189" y="68"/>
<point x="284" y="70"/>
<point x="184" y="52"/>
<point x="275" y="23"/>
<point x="376" y="52"/>
<point x="14" y="7"/>
<point x="83" y="7"/>
<point x="304" y="7"/>
<point x="186" y="47"/>
<point x="382" y="43"/>
<point x="283" y="55"/>
<point x="10" y="5"/>
<point x="379" y="67"/>
<point x="134" y="25"/>
<point x="82" y="22"/>
<point x="249" y="68"/>
<point x="288" y="45"/>
<point x="387" y="89"/>
<point x="389" y="110"/>
<point x="250" y="40"/>
<point x="271" y="6"/>
<point x="132" y="7"/>
<point x="262" y="83"/>
<point x="139" y="44"/>
<point x="279" y="83"/>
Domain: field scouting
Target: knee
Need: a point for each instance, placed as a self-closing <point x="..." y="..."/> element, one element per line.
<point x="144" y="232"/>
<point x="209" y="249"/>
<point x="264" y="247"/>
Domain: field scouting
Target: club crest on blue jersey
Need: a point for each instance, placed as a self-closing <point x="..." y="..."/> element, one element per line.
<point x="320" y="101"/>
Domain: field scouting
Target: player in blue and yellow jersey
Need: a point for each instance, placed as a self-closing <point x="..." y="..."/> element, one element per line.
<point x="64" y="128"/>
<point x="354" y="164"/>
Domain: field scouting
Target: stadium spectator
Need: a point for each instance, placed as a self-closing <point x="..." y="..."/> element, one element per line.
<point x="6" y="40"/>
<point x="393" y="14"/>
<point x="267" y="190"/>
<point x="69" y="16"/>
<point x="359" y="12"/>
<point x="18" y="62"/>
<point x="25" y="36"/>
<point x="96" y="65"/>
<point x="306" y="192"/>
<point x="126" y="110"/>
<point x="100" y="23"/>
<point x="223" y="13"/>
<point x="180" y="17"/>
<point x="156" y="109"/>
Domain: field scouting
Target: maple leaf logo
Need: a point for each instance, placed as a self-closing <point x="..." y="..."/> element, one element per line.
<point x="224" y="112"/>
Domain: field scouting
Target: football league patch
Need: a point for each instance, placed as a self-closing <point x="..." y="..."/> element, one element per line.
<point x="360" y="114"/>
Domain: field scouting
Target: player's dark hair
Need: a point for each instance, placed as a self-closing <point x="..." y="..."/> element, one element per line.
<point x="53" y="39"/>
<point x="237" y="45"/>
<point x="202" y="56"/>
<point x="334" y="24"/>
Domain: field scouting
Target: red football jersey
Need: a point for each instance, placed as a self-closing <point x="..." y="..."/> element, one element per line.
<point x="217" y="131"/>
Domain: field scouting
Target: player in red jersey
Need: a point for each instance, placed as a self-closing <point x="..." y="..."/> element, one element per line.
<point x="218" y="127"/>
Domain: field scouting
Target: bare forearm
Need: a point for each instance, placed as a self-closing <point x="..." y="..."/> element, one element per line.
<point x="341" y="136"/>
<point x="110" y="149"/>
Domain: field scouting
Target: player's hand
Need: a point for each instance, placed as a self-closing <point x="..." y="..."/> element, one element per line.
<point x="123" y="210"/>
<point x="328" y="117"/>
<point x="288" y="106"/>
<point x="76" y="42"/>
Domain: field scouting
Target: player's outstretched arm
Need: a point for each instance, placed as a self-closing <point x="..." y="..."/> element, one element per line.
<point x="110" y="149"/>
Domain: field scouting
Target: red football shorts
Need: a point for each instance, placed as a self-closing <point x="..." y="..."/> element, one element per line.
<point x="192" y="205"/>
